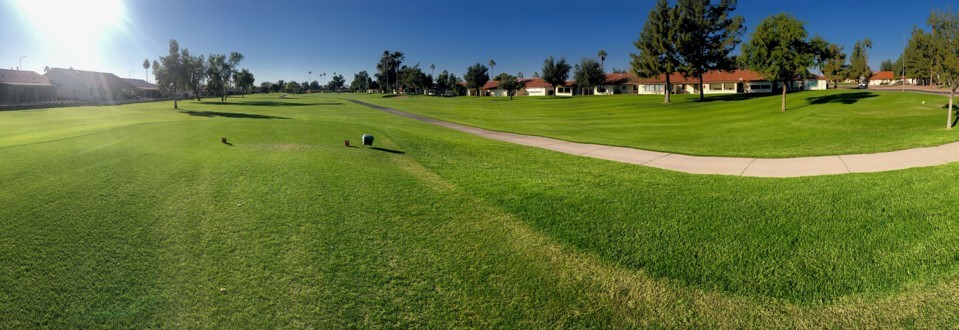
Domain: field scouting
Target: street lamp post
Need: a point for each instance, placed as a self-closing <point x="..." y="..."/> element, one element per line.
<point x="20" y="67"/>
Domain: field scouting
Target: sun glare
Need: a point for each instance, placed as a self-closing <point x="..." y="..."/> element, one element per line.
<point x="73" y="27"/>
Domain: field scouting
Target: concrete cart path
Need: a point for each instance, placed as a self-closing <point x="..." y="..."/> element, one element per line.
<point x="754" y="167"/>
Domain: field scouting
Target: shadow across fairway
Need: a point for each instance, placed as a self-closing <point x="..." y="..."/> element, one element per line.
<point x="389" y="150"/>
<point x="844" y="98"/>
<point x="267" y="103"/>
<point x="229" y="115"/>
<point x="730" y="97"/>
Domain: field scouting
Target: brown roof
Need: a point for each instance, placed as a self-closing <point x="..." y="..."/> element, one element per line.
<point x="141" y="84"/>
<point x="621" y="79"/>
<point x="20" y="77"/>
<point x="527" y="82"/>
<point x="86" y="79"/>
<point x="709" y="77"/>
<point x="881" y="75"/>
<point x="536" y="83"/>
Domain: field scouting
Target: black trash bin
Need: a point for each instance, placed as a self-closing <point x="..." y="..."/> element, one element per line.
<point x="367" y="140"/>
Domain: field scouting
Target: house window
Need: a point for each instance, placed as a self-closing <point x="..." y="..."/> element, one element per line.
<point x="729" y="86"/>
<point x="653" y="88"/>
<point x="715" y="87"/>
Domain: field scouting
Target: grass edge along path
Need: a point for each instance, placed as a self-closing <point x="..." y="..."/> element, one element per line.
<point x="753" y="167"/>
<point x="819" y="123"/>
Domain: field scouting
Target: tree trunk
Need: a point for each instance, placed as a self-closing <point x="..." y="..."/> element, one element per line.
<point x="701" y="97"/>
<point x="666" y="89"/>
<point x="949" y="112"/>
<point x="784" y="97"/>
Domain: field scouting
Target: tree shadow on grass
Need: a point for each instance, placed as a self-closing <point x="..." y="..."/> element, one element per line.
<point x="731" y="97"/>
<point x="388" y="150"/>
<point x="267" y="103"/>
<point x="844" y="98"/>
<point x="229" y="115"/>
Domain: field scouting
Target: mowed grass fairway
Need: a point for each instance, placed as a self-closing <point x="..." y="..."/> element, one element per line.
<point x="817" y="123"/>
<point x="137" y="216"/>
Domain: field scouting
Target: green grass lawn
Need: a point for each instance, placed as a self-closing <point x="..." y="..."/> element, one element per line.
<point x="137" y="216"/>
<point x="817" y="123"/>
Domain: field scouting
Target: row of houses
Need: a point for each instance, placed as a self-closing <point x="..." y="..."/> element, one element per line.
<point x="28" y="87"/>
<point x="714" y="82"/>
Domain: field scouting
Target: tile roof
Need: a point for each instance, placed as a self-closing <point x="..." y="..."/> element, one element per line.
<point x="25" y="78"/>
<point x="527" y="82"/>
<point x="536" y="83"/>
<point x="87" y="79"/>
<point x="883" y="75"/>
<point x="141" y="84"/>
<point x="621" y="79"/>
<point x="709" y="77"/>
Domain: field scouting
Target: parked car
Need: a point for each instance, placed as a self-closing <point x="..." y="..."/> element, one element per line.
<point x="863" y="86"/>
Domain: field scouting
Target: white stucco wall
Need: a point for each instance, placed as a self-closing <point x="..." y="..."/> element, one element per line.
<point x="564" y="91"/>
<point x="536" y="91"/>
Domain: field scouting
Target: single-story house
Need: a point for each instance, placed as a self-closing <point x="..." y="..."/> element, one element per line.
<point x="568" y="89"/>
<point x="882" y="78"/>
<point x="724" y="82"/>
<point x="144" y="89"/>
<point x="90" y="86"/>
<point x="531" y="87"/>
<point x="618" y="83"/>
<point x="536" y="87"/>
<point x="24" y="87"/>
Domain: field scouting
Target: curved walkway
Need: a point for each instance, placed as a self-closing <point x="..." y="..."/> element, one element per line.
<point x="754" y="167"/>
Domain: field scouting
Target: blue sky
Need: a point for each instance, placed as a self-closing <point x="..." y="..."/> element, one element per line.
<point x="285" y="39"/>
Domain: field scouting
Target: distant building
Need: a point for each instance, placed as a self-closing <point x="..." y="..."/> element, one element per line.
<point x="882" y="78"/>
<point x="536" y="87"/>
<point x="725" y="82"/>
<point x="144" y="89"/>
<point x="618" y="83"/>
<point x="24" y="87"/>
<point x="714" y="82"/>
<point x="90" y="86"/>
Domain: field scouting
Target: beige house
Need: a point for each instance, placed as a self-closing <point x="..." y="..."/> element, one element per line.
<point x="90" y="86"/>
<point x="144" y="89"/>
<point x="882" y="78"/>
<point x="725" y="82"/>
<point x="618" y="83"/>
<point x="24" y="87"/>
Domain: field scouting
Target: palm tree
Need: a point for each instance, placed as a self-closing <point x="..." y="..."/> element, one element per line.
<point x="432" y="68"/>
<point x="146" y="66"/>
<point x="311" y="77"/>
<point x="492" y="63"/>
<point x="602" y="58"/>
<point x="396" y="59"/>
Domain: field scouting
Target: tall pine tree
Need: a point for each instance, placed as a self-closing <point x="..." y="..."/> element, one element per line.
<point x="658" y="45"/>
<point x="859" y="62"/>
<point x="707" y="35"/>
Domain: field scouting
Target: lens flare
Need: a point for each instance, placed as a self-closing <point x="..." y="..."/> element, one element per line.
<point x="76" y="28"/>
